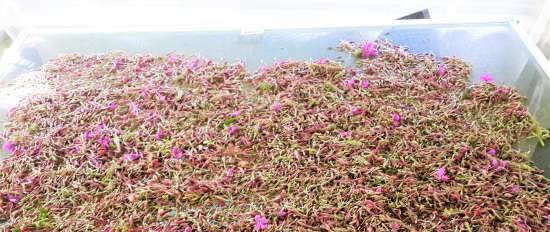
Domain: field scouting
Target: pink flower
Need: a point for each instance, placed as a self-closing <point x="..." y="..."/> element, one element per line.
<point x="345" y="134"/>
<point x="349" y="83"/>
<point x="13" y="198"/>
<point x="193" y="65"/>
<point x="494" y="163"/>
<point x="441" y="70"/>
<point x="499" y="165"/>
<point x="233" y="130"/>
<point x="159" y="135"/>
<point x="112" y="106"/>
<point x="229" y="172"/>
<point x="88" y="135"/>
<point x="282" y="214"/>
<point x="519" y="222"/>
<point x="378" y="189"/>
<point x="104" y="141"/>
<point x="132" y="156"/>
<point x="368" y="50"/>
<point x="440" y="174"/>
<point x="188" y="229"/>
<point x="356" y="111"/>
<point x="261" y="222"/>
<point x="276" y="106"/>
<point x="117" y="63"/>
<point x="94" y="162"/>
<point x="236" y="113"/>
<point x="547" y="219"/>
<point x="8" y="146"/>
<point x="134" y="109"/>
<point x="486" y="78"/>
<point x="396" y="119"/>
<point x="513" y="188"/>
<point x="492" y="152"/>
<point x="176" y="153"/>
<point x="161" y="97"/>
<point x="365" y="84"/>
<point x="280" y="63"/>
<point x="395" y="226"/>
<point x="322" y="61"/>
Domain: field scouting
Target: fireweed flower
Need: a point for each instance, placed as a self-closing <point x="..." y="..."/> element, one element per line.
<point x="13" y="198"/>
<point x="440" y="174"/>
<point x="498" y="165"/>
<point x="280" y="63"/>
<point x="368" y="50"/>
<point x="176" y="153"/>
<point x="513" y="188"/>
<point x="233" y="130"/>
<point x="276" y="106"/>
<point x="159" y="135"/>
<point x="282" y="214"/>
<point x="349" y="83"/>
<point x="547" y="218"/>
<point x="378" y="189"/>
<point x="132" y="156"/>
<point x="8" y="146"/>
<point x="486" y="78"/>
<point x="235" y="113"/>
<point x="188" y="229"/>
<point x="365" y="84"/>
<point x="229" y="172"/>
<point x="322" y="61"/>
<point x="492" y="152"/>
<point x="88" y="135"/>
<point x="117" y="63"/>
<point x="104" y="141"/>
<point x="396" y="119"/>
<point x="441" y="70"/>
<point x="395" y="226"/>
<point x="112" y="106"/>
<point x="134" y="109"/>
<point x="356" y="111"/>
<point x="345" y="134"/>
<point x="261" y="222"/>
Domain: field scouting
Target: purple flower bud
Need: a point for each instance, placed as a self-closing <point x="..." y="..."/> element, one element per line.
<point x="8" y="146"/>
<point x="176" y="153"/>
<point x="492" y="152"/>
<point x="132" y="156"/>
<point x="486" y="78"/>
<point x="13" y="198"/>
<point x="356" y="111"/>
<point x="368" y="50"/>
<point x="441" y="70"/>
<point x="229" y="172"/>
<point x="233" y="130"/>
<point x="365" y="84"/>
<point x="282" y="214"/>
<point x="235" y="113"/>
<point x="276" y="106"/>
<point x="349" y="83"/>
<point x="159" y="135"/>
<point x="112" y="106"/>
<point x="261" y="222"/>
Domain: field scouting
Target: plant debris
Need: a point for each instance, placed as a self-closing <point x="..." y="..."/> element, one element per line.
<point x="399" y="142"/>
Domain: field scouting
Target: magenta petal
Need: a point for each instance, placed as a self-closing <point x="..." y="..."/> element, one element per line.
<point x="8" y="146"/>
<point x="276" y="106"/>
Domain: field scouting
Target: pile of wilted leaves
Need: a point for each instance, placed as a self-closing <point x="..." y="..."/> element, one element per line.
<point x="399" y="142"/>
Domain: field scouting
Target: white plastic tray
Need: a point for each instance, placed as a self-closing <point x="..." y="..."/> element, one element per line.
<point x="498" y="48"/>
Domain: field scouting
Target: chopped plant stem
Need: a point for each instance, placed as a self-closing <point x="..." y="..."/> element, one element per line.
<point x="398" y="142"/>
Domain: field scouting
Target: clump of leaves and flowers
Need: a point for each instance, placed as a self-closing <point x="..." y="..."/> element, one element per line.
<point x="398" y="142"/>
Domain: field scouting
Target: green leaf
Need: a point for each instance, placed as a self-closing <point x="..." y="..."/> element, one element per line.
<point x="228" y="122"/>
